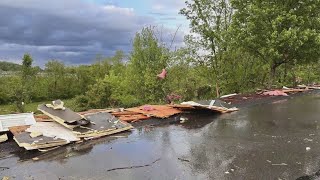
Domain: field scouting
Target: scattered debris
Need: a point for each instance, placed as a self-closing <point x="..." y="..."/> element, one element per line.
<point x="12" y="120"/>
<point x="215" y="105"/>
<point x="229" y="95"/>
<point x="3" y="138"/>
<point x="308" y="140"/>
<point x="282" y="164"/>
<point x="133" y="167"/>
<point x="102" y="124"/>
<point x="275" y="93"/>
<point x="185" y="160"/>
<point x="183" y="120"/>
<point x="227" y="172"/>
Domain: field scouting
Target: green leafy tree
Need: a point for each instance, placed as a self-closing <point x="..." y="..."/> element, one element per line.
<point x="209" y="22"/>
<point x="278" y="32"/>
<point x="148" y="57"/>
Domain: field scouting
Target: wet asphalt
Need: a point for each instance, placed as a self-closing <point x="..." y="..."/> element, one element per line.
<point x="272" y="140"/>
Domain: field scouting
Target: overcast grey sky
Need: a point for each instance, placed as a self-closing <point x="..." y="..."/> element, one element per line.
<point x="75" y="31"/>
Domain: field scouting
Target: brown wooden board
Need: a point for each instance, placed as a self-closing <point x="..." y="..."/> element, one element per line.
<point x="159" y="111"/>
<point x="133" y="117"/>
<point x="18" y="129"/>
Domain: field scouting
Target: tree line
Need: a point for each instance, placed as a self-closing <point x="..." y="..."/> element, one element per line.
<point x="235" y="46"/>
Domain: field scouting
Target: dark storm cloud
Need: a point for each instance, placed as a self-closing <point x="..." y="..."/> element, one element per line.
<point x="71" y="30"/>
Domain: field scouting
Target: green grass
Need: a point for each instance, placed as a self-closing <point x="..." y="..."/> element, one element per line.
<point x="32" y="107"/>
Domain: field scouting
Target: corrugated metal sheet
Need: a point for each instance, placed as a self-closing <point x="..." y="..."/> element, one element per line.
<point x="12" y="120"/>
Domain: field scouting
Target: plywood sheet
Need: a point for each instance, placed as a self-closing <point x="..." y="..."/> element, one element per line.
<point x="133" y="117"/>
<point x="159" y="111"/>
<point x="54" y="130"/>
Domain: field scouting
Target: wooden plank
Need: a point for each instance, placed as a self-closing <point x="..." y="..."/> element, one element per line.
<point x="159" y="111"/>
<point x="133" y="118"/>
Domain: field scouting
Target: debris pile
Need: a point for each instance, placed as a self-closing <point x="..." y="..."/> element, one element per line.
<point x="59" y="125"/>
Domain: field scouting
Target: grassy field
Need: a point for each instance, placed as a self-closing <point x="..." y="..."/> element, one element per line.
<point x="32" y="107"/>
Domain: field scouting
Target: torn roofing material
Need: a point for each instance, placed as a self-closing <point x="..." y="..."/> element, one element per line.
<point x="159" y="111"/>
<point x="65" y="117"/>
<point x="12" y="120"/>
<point x="102" y="124"/>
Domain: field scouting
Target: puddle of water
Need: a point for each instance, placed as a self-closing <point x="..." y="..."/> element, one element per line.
<point x="267" y="141"/>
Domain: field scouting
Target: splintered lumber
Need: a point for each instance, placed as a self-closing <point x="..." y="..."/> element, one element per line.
<point x="214" y="105"/>
<point x="12" y="120"/>
<point x="102" y="124"/>
<point x="65" y="117"/>
<point x="159" y="111"/>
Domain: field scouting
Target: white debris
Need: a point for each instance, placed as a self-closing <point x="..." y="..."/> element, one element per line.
<point x="308" y="148"/>
<point x="282" y="164"/>
<point x="308" y="140"/>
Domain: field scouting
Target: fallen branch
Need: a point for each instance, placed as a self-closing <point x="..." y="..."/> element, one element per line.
<point x="133" y="167"/>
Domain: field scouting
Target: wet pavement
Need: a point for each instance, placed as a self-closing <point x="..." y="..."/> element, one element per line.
<point x="273" y="140"/>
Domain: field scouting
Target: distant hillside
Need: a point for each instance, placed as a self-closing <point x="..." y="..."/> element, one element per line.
<point x="8" y="66"/>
